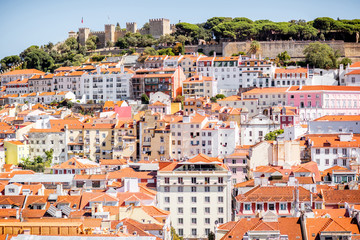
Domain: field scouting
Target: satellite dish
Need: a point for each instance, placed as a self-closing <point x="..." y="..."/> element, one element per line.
<point x="216" y="222"/>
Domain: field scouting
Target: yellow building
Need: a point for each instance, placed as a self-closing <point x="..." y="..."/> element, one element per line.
<point x="15" y="151"/>
<point x="155" y="141"/>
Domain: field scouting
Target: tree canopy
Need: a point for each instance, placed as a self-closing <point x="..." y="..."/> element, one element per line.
<point x="321" y="55"/>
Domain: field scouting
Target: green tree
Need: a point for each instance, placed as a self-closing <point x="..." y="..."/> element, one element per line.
<point x="166" y="51"/>
<point x="178" y="49"/>
<point x="149" y="51"/>
<point x="174" y="236"/>
<point x="91" y="42"/>
<point x="10" y="61"/>
<point x="37" y="58"/>
<point x="283" y="58"/>
<point x="72" y="43"/>
<point x="144" y="99"/>
<point x="211" y="236"/>
<point x="166" y="39"/>
<point x="345" y="61"/>
<point x="109" y="44"/>
<point x="254" y="47"/>
<point x="321" y="55"/>
<point x="220" y="96"/>
<point x="117" y="28"/>
<point x="271" y="136"/>
<point x="122" y="43"/>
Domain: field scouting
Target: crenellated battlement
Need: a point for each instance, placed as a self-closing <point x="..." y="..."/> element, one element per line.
<point x="97" y="32"/>
<point x="158" y="20"/>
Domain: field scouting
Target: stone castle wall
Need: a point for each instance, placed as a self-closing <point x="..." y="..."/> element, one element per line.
<point x="294" y="48"/>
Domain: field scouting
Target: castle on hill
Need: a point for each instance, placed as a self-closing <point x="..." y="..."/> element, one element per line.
<point x="157" y="27"/>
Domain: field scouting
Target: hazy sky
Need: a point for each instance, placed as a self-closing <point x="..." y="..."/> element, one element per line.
<point x="35" y="22"/>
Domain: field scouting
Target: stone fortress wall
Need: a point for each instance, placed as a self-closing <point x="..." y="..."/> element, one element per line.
<point x="157" y="28"/>
<point x="294" y="48"/>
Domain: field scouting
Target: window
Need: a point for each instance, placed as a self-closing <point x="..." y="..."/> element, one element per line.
<point x="167" y="180"/>
<point x="180" y="180"/>
<point x="180" y="199"/>
<point x="234" y="170"/>
<point x="247" y="207"/>
<point x="193" y="180"/>
<point x="283" y="206"/>
<point x="193" y="189"/>
<point x="193" y="210"/>
<point x="344" y="162"/>
<point x="193" y="199"/>
<point x="180" y="220"/>
<point x="335" y="151"/>
<point x="11" y="190"/>
<point x="220" y="180"/>
<point x="193" y="220"/>
<point x="193" y="231"/>
<point x="220" y="210"/>
<point x="220" y="189"/>
<point x="271" y="206"/>
<point x="221" y="220"/>
<point x="234" y="161"/>
<point x="167" y="199"/>
<point x="317" y="151"/>
<point x="327" y="151"/>
<point x="207" y="199"/>
<point x="207" y="180"/>
<point x="207" y="189"/>
<point x="166" y="189"/>
<point x="180" y="210"/>
<point x="207" y="220"/>
<point x="207" y="210"/>
<point x="259" y="206"/>
<point x="181" y="232"/>
<point x="260" y="133"/>
<point x="326" y="162"/>
<point x="220" y="199"/>
<point x="180" y="189"/>
<point x="335" y="161"/>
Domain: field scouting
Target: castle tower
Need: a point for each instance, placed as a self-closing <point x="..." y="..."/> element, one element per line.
<point x="131" y="27"/>
<point x="159" y="27"/>
<point x="109" y="33"/>
<point x="83" y="35"/>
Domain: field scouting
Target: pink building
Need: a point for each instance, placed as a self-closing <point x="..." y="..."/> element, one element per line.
<point x="238" y="165"/>
<point x="316" y="101"/>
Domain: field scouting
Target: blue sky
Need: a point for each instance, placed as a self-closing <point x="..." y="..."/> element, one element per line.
<point x="35" y="22"/>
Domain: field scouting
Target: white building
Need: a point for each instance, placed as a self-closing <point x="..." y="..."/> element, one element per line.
<point x="42" y="140"/>
<point x="329" y="150"/>
<point x="335" y="124"/>
<point x="351" y="75"/>
<point x="41" y="83"/>
<point x="106" y="84"/>
<point x="236" y="101"/>
<point x="194" y="134"/>
<point x="172" y="61"/>
<point x="255" y="129"/>
<point x="292" y="76"/>
<point x="68" y="81"/>
<point x="293" y="132"/>
<point x="197" y="193"/>
<point x="18" y="74"/>
<point x="267" y="96"/>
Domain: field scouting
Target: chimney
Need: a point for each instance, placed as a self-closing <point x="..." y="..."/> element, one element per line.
<point x="214" y="54"/>
<point x="122" y="68"/>
<point x="131" y="185"/>
<point x="98" y="70"/>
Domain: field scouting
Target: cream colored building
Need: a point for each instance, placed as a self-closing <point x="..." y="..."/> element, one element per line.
<point x="197" y="193"/>
<point x="199" y="86"/>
